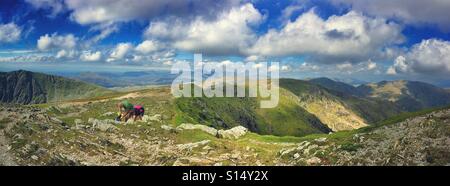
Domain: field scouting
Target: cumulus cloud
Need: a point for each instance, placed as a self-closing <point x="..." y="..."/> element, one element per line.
<point x="157" y="57"/>
<point x="105" y="15"/>
<point x="352" y="37"/>
<point x="230" y="33"/>
<point x="9" y="33"/>
<point x="391" y="71"/>
<point x="66" y="54"/>
<point x="147" y="46"/>
<point x="371" y="65"/>
<point x="100" y="11"/>
<point x="415" y="12"/>
<point x="285" y="68"/>
<point x="305" y="66"/>
<point x="91" y="56"/>
<point x="56" y="41"/>
<point x="431" y="56"/>
<point x="120" y="52"/>
<point x="344" y="66"/>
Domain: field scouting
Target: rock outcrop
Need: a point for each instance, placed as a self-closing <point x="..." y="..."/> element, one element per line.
<point x="233" y="133"/>
<point x="103" y="125"/>
<point x="204" y="128"/>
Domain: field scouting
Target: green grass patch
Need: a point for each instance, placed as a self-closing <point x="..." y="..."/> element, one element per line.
<point x="350" y="147"/>
<point x="191" y="136"/>
<point x="4" y="122"/>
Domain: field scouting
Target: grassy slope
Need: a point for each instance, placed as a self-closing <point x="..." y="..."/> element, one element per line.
<point x="287" y="118"/>
<point x="59" y="89"/>
<point x="371" y="110"/>
<point x="172" y="108"/>
<point x="271" y="146"/>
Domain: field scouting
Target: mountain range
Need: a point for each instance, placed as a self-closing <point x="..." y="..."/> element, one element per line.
<point x="408" y="95"/>
<point x="125" y="79"/>
<point x="311" y="106"/>
<point x="317" y="122"/>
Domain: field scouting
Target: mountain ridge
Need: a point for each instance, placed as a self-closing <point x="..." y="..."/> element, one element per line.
<point x="407" y="95"/>
<point x="25" y="87"/>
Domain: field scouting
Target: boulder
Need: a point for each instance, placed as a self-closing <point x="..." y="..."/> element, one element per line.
<point x="167" y="127"/>
<point x="321" y="140"/>
<point x="313" y="161"/>
<point x="103" y="125"/>
<point x="233" y="133"/>
<point x="188" y="126"/>
<point x="156" y="117"/>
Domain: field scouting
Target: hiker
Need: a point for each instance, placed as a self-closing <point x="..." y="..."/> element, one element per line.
<point x="138" y="112"/>
<point x="126" y="109"/>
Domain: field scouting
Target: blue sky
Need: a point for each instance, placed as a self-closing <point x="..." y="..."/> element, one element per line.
<point x="360" y="39"/>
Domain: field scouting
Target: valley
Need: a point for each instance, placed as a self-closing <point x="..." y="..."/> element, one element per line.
<point x="314" y="124"/>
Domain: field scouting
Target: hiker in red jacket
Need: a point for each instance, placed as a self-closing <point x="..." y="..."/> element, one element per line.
<point x="138" y="112"/>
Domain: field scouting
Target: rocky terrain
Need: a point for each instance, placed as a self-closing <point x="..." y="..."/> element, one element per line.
<point x="49" y="120"/>
<point x="79" y="133"/>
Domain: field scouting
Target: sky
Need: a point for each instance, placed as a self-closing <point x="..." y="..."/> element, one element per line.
<point x="347" y="39"/>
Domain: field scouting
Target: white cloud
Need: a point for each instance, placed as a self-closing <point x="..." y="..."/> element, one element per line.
<point x="147" y="46"/>
<point x="415" y="12"/>
<point x="344" y="66"/>
<point x="53" y="41"/>
<point x="66" y="54"/>
<point x="168" y="63"/>
<point x="9" y="33"/>
<point x="56" y="6"/>
<point x="351" y="37"/>
<point x="391" y="71"/>
<point x="157" y="56"/>
<point x="121" y="50"/>
<point x="428" y="57"/>
<point x="290" y="10"/>
<point x="285" y="68"/>
<point x="104" y="30"/>
<point x="254" y="58"/>
<point x="282" y="68"/>
<point x="91" y="56"/>
<point x="230" y="33"/>
<point x="28" y="58"/>
<point x="308" y="67"/>
<point x="371" y="65"/>
<point x="101" y="11"/>
<point x="106" y="15"/>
